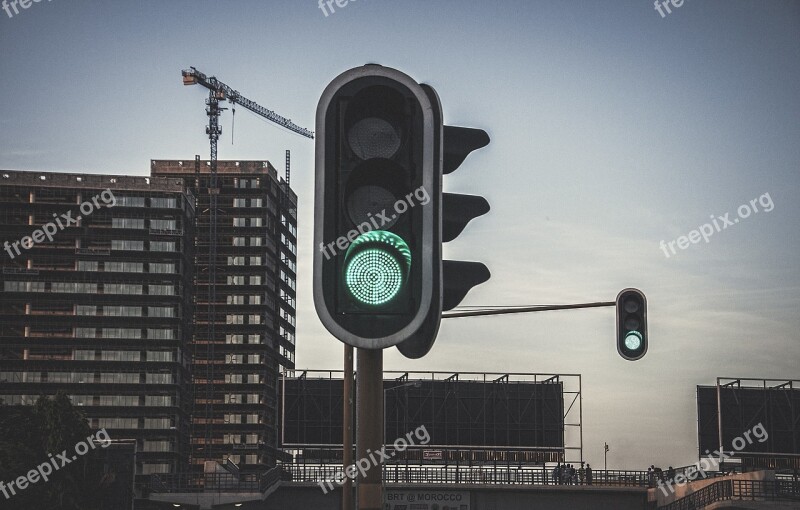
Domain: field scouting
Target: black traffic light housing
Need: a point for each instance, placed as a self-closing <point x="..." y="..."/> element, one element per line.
<point x="377" y="206"/>
<point x="632" y="324"/>
<point x="380" y="216"/>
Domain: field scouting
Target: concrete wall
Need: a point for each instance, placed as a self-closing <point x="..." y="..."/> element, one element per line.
<point x="307" y="496"/>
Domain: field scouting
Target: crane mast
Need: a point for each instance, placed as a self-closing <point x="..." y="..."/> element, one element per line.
<point x="217" y="93"/>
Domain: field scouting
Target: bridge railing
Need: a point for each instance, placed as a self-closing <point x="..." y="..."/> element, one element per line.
<point x="486" y="474"/>
<point x="752" y="490"/>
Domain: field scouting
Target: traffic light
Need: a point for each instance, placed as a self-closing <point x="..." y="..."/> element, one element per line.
<point x="377" y="206"/>
<point x="631" y="324"/>
<point x="380" y="214"/>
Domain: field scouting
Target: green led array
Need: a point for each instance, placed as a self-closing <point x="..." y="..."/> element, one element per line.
<point x="376" y="267"/>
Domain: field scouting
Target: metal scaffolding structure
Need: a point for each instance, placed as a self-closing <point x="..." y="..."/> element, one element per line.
<point x="539" y="415"/>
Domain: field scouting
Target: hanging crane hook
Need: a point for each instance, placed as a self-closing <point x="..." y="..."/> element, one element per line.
<point x="233" y="120"/>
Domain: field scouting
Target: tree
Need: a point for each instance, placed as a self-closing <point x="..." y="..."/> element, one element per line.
<point x="28" y="435"/>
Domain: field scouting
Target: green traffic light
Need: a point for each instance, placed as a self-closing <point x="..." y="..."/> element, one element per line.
<point x="633" y="340"/>
<point x="376" y="267"/>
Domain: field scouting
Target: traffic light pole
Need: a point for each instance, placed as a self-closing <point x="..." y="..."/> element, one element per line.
<point x="347" y="427"/>
<point x="526" y="309"/>
<point x="369" y="425"/>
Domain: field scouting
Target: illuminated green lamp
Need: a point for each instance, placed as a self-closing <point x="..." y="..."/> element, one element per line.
<point x="376" y="267"/>
<point x="633" y="340"/>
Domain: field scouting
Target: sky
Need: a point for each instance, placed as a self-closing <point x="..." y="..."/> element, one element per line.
<point x="613" y="129"/>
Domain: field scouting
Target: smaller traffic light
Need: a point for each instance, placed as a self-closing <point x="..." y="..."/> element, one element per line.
<point x="631" y="324"/>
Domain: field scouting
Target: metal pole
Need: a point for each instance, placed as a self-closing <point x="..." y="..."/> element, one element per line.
<point x="369" y="424"/>
<point x="526" y="309"/>
<point x="719" y="422"/>
<point x="347" y="427"/>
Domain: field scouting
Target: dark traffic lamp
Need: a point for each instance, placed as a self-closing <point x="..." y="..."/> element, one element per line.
<point x="377" y="199"/>
<point x="631" y="324"/>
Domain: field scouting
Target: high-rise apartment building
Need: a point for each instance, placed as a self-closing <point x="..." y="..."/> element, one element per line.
<point x="96" y="301"/>
<point x="246" y="334"/>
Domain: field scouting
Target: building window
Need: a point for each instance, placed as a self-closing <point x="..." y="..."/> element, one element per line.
<point x="85" y="310"/>
<point x="79" y="355"/>
<point x="233" y="418"/>
<point x="234" y="319"/>
<point x="158" y="378"/>
<point x="12" y="286"/>
<point x="235" y="261"/>
<point x="119" y="378"/>
<point x="239" y="222"/>
<point x="163" y="224"/>
<point x="166" y="203"/>
<point x="162" y="268"/>
<point x="254" y="319"/>
<point x="255" y="222"/>
<point x="255" y="241"/>
<point x="122" y="288"/>
<point x="158" y="400"/>
<point x="160" y="311"/>
<point x="233" y="339"/>
<point x="74" y="287"/>
<point x="235" y="280"/>
<point x="120" y="356"/>
<point x="122" y="333"/>
<point x="127" y="223"/>
<point x="157" y="423"/>
<point x="127" y="244"/>
<point x="238" y="241"/>
<point x="256" y="202"/>
<point x="160" y="334"/>
<point x="162" y="245"/>
<point x="161" y="290"/>
<point x="123" y="267"/>
<point x="87" y="265"/>
<point x="118" y="423"/>
<point x="130" y="201"/>
<point x="255" y="300"/>
<point x="240" y="202"/>
<point x="119" y="400"/>
<point x="122" y="311"/>
<point x="155" y="469"/>
<point x="235" y="300"/>
<point x="255" y="280"/>
<point x="161" y="356"/>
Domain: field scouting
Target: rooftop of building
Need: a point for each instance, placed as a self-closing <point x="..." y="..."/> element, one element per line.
<point x="249" y="167"/>
<point x="99" y="181"/>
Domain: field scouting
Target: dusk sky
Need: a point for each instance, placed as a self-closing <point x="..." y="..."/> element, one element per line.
<point x="613" y="129"/>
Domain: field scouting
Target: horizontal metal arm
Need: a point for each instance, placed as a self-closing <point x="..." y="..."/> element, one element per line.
<point x="526" y="309"/>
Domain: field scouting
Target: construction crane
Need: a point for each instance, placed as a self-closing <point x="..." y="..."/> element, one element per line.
<point x="217" y="93"/>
